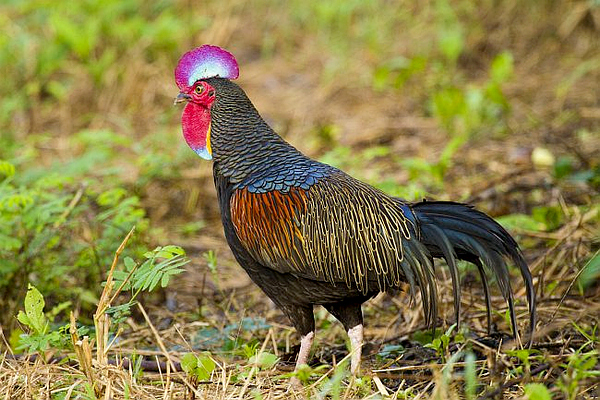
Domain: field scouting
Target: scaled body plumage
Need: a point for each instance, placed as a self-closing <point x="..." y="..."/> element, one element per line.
<point x="309" y="234"/>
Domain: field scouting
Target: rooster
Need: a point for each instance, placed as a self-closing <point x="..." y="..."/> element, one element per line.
<point x="309" y="234"/>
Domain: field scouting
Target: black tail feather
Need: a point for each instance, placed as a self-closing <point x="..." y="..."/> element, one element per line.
<point x="443" y="243"/>
<point x="486" y="293"/>
<point x="457" y="231"/>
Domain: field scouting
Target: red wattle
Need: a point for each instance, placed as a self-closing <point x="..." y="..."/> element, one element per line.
<point x="195" y="122"/>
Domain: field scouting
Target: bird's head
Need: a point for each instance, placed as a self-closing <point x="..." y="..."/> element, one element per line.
<point x="191" y="74"/>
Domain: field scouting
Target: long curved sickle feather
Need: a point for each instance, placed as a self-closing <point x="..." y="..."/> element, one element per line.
<point x="340" y="231"/>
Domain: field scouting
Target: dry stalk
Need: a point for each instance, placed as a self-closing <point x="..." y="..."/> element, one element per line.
<point x="83" y="351"/>
<point x="101" y="319"/>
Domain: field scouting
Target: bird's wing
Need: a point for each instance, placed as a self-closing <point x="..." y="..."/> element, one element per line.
<point x="338" y="230"/>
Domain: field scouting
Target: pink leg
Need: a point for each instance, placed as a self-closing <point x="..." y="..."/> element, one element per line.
<point x="356" y="342"/>
<point x="306" y="342"/>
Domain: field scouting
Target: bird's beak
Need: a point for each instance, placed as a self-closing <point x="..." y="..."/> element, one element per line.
<point x="181" y="97"/>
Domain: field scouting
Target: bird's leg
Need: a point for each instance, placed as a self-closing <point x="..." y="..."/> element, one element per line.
<point x="356" y="342"/>
<point x="304" y="322"/>
<point x="350" y="315"/>
<point x="306" y="342"/>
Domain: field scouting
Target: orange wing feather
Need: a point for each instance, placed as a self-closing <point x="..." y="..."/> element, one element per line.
<point x="268" y="225"/>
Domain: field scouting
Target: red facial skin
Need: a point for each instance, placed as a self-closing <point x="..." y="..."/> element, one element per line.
<point x="200" y="93"/>
<point x="195" y="120"/>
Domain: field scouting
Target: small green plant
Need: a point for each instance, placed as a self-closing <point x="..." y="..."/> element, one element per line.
<point x="211" y="261"/>
<point x="397" y="71"/>
<point x="465" y="111"/>
<point x="305" y="372"/>
<point x="264" y="360"/>
<point x="159" y="266"/>
<point x="525" y="356"/>
<point x="390" y="351"/>
<point x="42" y="336"/>
<point x="434" y="172"/>
<point x="537" y="391"/>
<point x="34" y="316"/>
<point x="199" y="366"/>
<point x="440" y="343"/>
<point x="332" y="387"/>
<point x="592" y="336"/>
<point x="136" y="360"/>
<point x="470" y="374"/>
<point x="579" y="367"/>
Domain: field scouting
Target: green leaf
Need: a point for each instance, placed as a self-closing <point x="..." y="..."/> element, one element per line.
<point x="80" y="38"/>
<point x="129" y="263"/>
<point x="502" y="67"/>
<point x="391" y="350"/>
<point x="590" y="271"/>
<point x="537" y="391"/>
<point x="522" y="354"/>
<point x="563" y="167"/>
<point x="448" y="103"/>
<point x="188" y="363"/>
<point x="149" y="274"/>
<point x="174" y="250"/>
<point x="167" y="276"/>
<point x="58" y="308"/>
<point x="206" y="366"/>
<point x="9" y="243"/>
<point x="380" y="77"/>
<point x="34" y="316"/>
<point x="120" y="312"/>
<point x="112" y="197"/>
<point x="451" y="42"/>
<point x="7" y="169"/>
<point x="264" y="360"/>
<point x="23" y="318"/>
<point x="551" y="217"/>
<point x="201" y="366"/>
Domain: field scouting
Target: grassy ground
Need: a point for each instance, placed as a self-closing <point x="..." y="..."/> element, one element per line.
<point x="494" y="103"/>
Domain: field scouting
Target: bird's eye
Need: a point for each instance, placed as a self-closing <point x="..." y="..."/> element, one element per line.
<point x="199" y="89"/>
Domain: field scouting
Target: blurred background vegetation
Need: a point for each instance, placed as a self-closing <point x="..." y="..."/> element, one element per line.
<point x="493" y="102"/>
